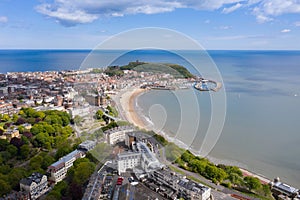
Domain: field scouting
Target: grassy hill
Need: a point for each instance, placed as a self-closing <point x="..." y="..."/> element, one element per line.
<point x="177" y="71"/>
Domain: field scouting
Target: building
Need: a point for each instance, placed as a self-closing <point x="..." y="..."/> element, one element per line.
<point x="128" y="160"/>
<point x="171" y="185"/>
<point x="117" y="134"/>
<point x="87" y="145"/>
<point x="283" y="191"/>
<point x="10" y="133"/>
<point x="58" y="170"/>
<point x="35" y="185"/>
<point x="80" y="111"/>
<point x="7" y="108"/>
<point x="27" y="126"/>
<point x="141" y="157"/>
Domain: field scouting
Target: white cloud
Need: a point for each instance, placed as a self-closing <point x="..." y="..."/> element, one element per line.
<point x="265" y="10"/>
<point x="285" y="30"/>
<point x="66" y="16"/>
<point x="72" y="12"/>
<point x="3" y="19"/>
<point x="232" y="8"/>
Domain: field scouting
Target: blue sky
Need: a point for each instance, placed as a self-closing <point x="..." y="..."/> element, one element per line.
<point x="215" y="24"/>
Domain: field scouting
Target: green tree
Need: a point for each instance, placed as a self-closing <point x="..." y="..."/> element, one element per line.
<point x="5" y="118"/>
<point x="83" y="172"/>
<point x="12" y="150"/>
<point x="63" y="150"/>
<point x="47" y="161"/>
<point x="5" y="169"/>
<point x="24" y="151"/>
<point x="37" y="128"/>
<point x="3" y="144"/>
<point x="112" y="111"/>
<point x="99" y="114"/>
<point x="21" y="129"/>
<point x="235" y="178"/>
<point x="252" y="183"/>
<point x="15" y="118"/>
<point x="5" y="187"/>
<point x="43" y="140"/>
<point x="36" y="163"/>
<point x="15" y="176"/>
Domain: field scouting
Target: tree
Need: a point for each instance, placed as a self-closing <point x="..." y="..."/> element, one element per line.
<point x="47" y="161"/>
<point x="235" y="179"/>
<point x="36" y="162"/>
<point x="21" y="129"/>
<point x="15" y="176"/>
<point x="99" y="114"/>
<point x="15" y="118"/>
<point x="252" y="183"/>
<point x="5" y="187"/>
<point x="24" y="151"/>
<point x="20" y="121"/>
<point x="37" y="128"/>
<point x="63" y="150"/>
<point x="3" y="144"/>
<point x="112" y="111"/>
<point x="27" y="134"/>
<point x="43" y="140"/>
<point x="5" y="118"/>
<point x="12" y="150"/>
<point x="83" y="172"/>
<point x="17" y="142"/>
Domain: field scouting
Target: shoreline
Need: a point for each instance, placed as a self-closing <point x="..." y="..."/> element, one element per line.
<point x="127" y="105"/>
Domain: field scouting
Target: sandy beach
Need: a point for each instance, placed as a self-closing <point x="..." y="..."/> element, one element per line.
<point x="126" y="103"/>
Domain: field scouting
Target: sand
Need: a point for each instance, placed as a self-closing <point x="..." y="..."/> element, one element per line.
<point x="127" y="105"/>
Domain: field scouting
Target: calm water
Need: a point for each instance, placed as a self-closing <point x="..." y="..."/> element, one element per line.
<point x="261" y="130"/>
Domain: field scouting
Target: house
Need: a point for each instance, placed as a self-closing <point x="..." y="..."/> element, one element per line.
<point x="10" y="133"/>
<point x="58" y="170"/>
<point x="35" y="185"/>
<point x="27" y="126"/>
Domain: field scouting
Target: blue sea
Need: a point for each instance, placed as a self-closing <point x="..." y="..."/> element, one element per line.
<point x="261" y="129"/>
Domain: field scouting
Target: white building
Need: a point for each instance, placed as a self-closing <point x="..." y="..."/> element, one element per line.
<point x="117" y="134"/>
<point x="35" y="185"/>
<point x="59" y="169"/>
<point x="128" y="160"/>
<point x="141" y="157"/>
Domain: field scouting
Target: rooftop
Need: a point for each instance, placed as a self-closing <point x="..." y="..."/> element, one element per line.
<point x="66" y="158"/>
<point x="285" y="188"/>
<point x="35" y="177"/>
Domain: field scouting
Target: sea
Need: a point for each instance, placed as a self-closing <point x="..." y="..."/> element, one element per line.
<point x="252" y="122"/>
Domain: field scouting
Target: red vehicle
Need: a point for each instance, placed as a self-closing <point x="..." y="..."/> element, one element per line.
<point x="120" y="181"/>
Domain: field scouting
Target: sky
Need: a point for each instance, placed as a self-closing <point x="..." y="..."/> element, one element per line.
<point x="214" y="24"/>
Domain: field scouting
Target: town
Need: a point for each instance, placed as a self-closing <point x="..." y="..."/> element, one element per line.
<point x="63" y="127"/>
